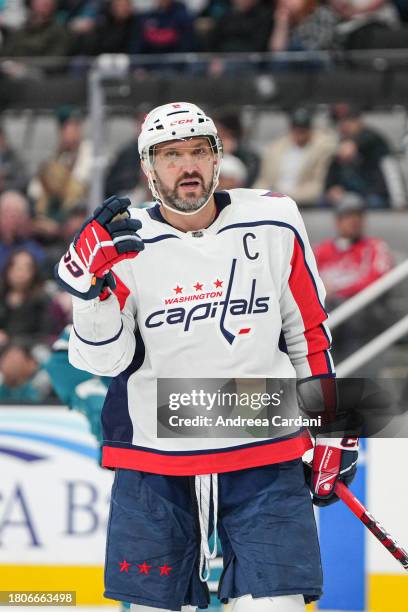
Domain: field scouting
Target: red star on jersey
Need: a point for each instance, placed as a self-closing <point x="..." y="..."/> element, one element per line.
<point x="165" y="569"/>
<point x="198" y="286"/>
<point x="124" y="566"/>
<point x="178" y="289"/>
<point x="218" y="283"/>
<point x="144" y="568"/>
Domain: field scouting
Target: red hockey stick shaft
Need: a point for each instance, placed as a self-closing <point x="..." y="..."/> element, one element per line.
<point x="369" y="521"/>
<point x="361" y="512"/>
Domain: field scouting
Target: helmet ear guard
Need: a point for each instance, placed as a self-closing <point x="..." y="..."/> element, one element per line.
<point x="144" y="167"/>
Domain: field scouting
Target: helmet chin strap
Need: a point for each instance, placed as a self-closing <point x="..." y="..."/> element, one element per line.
<point x="156" y="194"/>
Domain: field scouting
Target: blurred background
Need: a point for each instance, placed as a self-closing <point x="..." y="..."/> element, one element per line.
<point x="310" y="99"/>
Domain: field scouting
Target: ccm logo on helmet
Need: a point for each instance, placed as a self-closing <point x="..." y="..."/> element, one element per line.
<point x="181" y="121"/>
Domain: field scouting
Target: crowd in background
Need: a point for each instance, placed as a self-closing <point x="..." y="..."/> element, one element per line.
<point x="32" y="28"/>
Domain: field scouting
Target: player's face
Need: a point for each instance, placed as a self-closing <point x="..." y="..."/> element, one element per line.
<point x="350" y="225"/>
<point x="184" y="171"/>
<point x="301" y="136"/>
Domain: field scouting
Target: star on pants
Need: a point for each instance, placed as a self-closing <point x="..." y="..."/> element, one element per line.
<point x="165" y="569"/>
<point x="144" y="568"/>
<point x="124" y="566"/>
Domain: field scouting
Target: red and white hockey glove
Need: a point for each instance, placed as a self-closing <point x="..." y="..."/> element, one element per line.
<point x="333" y="459"/>
<point x="102" y="242"/>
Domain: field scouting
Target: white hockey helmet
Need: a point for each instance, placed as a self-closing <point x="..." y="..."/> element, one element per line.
<point x="176" y="121"/>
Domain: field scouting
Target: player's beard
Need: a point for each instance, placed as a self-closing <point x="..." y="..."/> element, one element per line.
<point x="186" y="204"/>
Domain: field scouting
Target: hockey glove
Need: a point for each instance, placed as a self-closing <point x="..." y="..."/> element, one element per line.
<point x="102" y="242"/>
<point x="333" y="459"/>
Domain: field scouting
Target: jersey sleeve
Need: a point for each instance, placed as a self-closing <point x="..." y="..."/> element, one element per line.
<point x="306" y="335"/>
<point x="102" y="339"/>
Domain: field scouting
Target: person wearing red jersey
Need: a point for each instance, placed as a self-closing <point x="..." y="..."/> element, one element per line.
<point x="349" y="263"/>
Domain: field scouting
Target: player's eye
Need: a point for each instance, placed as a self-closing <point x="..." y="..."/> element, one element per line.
<point x="171" y="155"/>
<point x="200" y="153"/>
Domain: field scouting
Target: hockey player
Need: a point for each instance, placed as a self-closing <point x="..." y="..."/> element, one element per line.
<point x="202" y="285"/>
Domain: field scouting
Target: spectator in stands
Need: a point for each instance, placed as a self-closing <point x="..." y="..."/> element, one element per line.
<point x="230" y="131"/>
<point x="349" y="263"/>
<point x="23" y="301"/>
<point x="296" y="164"/>
<point x="206" y="20"/>
<point x="363" y="19"/>
<point x="350" y="124"/>
<point x="16" y="228"/>
<point x="246" y="26"/>
<point x="303" y="25"/>
<point x="12" y="171"/>
<point x="58" y="246"/>
<point x="12" y="17"/>
<point x="233" y="173"/>
<point x="124" y="174"/>
<point x="214" y="9"/>
<point x="363" y="164"/>
<point x="348" y="172"/>
<point x="79" y="17"/>
<point x="168" y="28"/>
<point x="118" y="28"/>
<point x="41" y="35"/>
<point x="62" y="181"/>
<point x="21" y="378"/>
<point x="73" y="222"/>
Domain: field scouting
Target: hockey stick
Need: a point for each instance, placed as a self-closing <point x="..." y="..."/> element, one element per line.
<point x="370" y="522"/>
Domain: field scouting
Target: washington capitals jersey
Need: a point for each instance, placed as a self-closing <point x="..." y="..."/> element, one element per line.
<point x="241" y="298"/>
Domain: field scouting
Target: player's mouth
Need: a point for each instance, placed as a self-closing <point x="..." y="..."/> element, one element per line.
<point x="189" y="184"/>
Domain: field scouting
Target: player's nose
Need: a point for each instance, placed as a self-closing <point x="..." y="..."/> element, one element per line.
<point x="188" y="163"/>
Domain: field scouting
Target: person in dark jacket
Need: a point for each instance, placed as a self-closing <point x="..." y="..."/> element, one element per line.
<point x="42" y="35"/>
<point x="23" y="300"/>
<point x="124" y="173"/>
<point x="166" y="29"/>
<point x="350" y="172"/>
<point x="245" y="27"/>
<point x="230" y="130"/>
<point x="118" y="28"/>
<point x="363" y="163"/>
<point x="79" y="18"/>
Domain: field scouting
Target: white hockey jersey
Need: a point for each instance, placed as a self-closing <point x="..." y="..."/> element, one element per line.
<point x="241" y="298"/>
